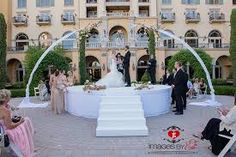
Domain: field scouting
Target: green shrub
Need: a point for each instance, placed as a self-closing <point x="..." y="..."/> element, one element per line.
<point x="225" y="90"/>
<point x="17" y="93"/>
<point x="185" y="56"/>
<point x="151" y="43"/>
<point x="145" y="78"/>
<point x="219" y="82"/>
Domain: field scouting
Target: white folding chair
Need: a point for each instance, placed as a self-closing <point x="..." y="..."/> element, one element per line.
<point x="229" y="146"/>
<point x="36" y="91"/>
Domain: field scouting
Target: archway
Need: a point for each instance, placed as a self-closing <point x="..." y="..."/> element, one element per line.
<point x="15" y="71"/>
<point x="22" y="40"/>
<point x="142" y="66"/>
<point x="223" y="67"/>
<point x="118" y="36"/>
<point x="93" y="68"/>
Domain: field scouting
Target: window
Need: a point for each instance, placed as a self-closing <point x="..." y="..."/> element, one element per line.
<point x="44" y="3"/>
<point x="22" y="40"/>
<point x="68" y="16"/>
<point x="191" y="38"/>
<point x="234" y="1"/>
<point x="70" y="42"/>
<point x="68" y="2"/>
<point x="190" y="1"/>
<point x="167" y="41"/>
<point x="214" y="39"/>
<point x="214" y="2"/>
<point x="21" y="3"/>
<point x="166" y="1"/>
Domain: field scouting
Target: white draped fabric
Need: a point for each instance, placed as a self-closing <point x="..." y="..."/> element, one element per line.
<point x="155" y="101"/>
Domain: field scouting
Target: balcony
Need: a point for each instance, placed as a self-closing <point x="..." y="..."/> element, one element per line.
<point x="93" y="45"/>
<point x="117" y="2"/>
<point x="43" y="20"/>
<point x="192" y="18"/>
<point x="141" y="44"/>
<point x="91" y="1"/>
<point x="168" y="17"/>
<point x="117" y="14"/>
<point x="67" y="19"/>
<point x="117" y="45"/>
<point x="20" y="20"/>
<point x="143" y="1"/>
<point x="217" y="18"/>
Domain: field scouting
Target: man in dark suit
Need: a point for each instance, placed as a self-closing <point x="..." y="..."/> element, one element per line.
<point x="184" y="96"/>
<point x="152" y="68"/>
<point x="126" y="63"/>
<point x="179" y="88"/>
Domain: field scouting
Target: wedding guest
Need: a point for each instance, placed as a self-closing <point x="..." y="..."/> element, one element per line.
<point x="190" y="89"/>
<point x="196" y="86"/>
<point x="169" y="78"/>
<point x="52" y="84"/>
<point x="222" y="125"/>
<point x="179" y="87"/>
<point x="20" y="132"/>
<point x="43" y="91"/>
<point x="152" y="69"/>
<point x="202" y="86"/>
<point x="126" y="63"/>
<point x="184" y="94"/>
<point x="70" y="78"/>
<point x="59" y="93"/>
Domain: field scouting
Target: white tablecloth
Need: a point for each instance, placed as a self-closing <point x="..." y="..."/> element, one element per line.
<point x="155" y="101"/>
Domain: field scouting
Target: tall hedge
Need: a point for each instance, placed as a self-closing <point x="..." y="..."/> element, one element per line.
<point x="151" y="43"/>
<point x="186" y="56"/>
<point x="55" y="57"/>
<point x="82" y="59"/>
<point x="3" y="49"/>
<point x="232" y="49"/>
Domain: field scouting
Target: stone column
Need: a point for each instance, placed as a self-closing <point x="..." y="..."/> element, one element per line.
<point x="213" y="71"/>
<point x="131" y="31"/>
<point x="104" y="32"/>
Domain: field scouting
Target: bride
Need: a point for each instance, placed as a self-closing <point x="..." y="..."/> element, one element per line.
<point x="114" y="78"/>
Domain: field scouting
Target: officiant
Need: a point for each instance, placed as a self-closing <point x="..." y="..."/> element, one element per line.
<point x="152" y="68"/>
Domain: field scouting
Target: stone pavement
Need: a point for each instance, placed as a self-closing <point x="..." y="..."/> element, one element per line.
<point x="70" y="136"/>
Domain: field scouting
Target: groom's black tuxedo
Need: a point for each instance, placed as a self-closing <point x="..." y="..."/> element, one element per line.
<point x="126" y="67"/>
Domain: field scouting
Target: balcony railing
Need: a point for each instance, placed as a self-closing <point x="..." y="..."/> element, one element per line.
<point x="20" y="20"/>
<point x="93" y="45"/>
<point x="199" y="45"/>
<point x="118" y="14"/>
<point x="216" y="17"/>
<point x="67" y="19"/>
<point x="43" y="20"/>
<point x="143" y="1"/>
<point x="192" y="18"/>
<point x="168" y="17"/>
<point x="117" y="45"/>
<point x="117" y="0"/>
<point x="141" y="44"/>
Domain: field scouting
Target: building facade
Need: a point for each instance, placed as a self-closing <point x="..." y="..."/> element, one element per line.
<point x="201" y="23"/>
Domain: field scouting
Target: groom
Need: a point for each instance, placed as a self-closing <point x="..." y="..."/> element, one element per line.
<point x="126" y="63"/>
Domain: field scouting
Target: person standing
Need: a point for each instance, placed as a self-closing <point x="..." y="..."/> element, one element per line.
<point x="179" y="87"/>
<point x="184" y="96"/>
<point x="126" y="63"/>
<point x="52" y="85"/>
<point x="152" y="69"/>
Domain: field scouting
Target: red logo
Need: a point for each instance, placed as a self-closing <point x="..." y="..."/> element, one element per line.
<point x="173" y="134"/>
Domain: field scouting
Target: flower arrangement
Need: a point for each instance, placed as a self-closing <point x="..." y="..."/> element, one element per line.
<point x="142" y="86"/>
<point x="89" y="86"/>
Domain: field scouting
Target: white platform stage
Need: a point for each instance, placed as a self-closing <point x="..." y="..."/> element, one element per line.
<point x="155" y="101"/>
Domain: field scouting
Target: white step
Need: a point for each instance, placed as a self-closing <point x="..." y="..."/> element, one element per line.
<point x="116" y="131"/>
<point x="115" y="114"/>
<point x="121" y="106"/>
<point x="121" y="98"/>
<point x="121" y="122"/>
<point x="120" y="102"/>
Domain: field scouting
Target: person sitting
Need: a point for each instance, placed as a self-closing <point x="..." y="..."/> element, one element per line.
<point x="190" y="89"/>
<point x="222" y="125"/>
<point x="196" y="87"/>
<point x="19" y="130"/>
<point x="43" y="91"/>
<point x="202" y="86"/>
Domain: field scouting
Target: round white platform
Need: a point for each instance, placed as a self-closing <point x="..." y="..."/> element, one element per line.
<point x="155" y="101"/>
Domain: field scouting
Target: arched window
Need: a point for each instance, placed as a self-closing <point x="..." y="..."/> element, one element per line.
<point x="167" y="41"/>
<point x="94" y="36"/>
<point x="22" y="40"/>
<point x="214" y="39"/>
<point x="118" y="36"/>
<point x="142" y="35"/>
<point x="45" y="39"/>
<point x="191" y="38"/>
<point x="70" y="42"/>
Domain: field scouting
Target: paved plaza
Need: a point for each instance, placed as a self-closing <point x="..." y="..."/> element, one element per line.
<point x="70" y="136"/>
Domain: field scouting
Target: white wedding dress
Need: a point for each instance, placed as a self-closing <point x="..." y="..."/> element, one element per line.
<point x="113" y="79"/>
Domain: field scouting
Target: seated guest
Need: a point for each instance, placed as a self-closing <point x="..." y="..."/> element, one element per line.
<point x="223" y="125"/>
<point x="202" y="86"/>
<point x="196" y="87"/>
<point x="190" y="89"/>
<point x="20" y="130"/>
<point x="43" y="91"/>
